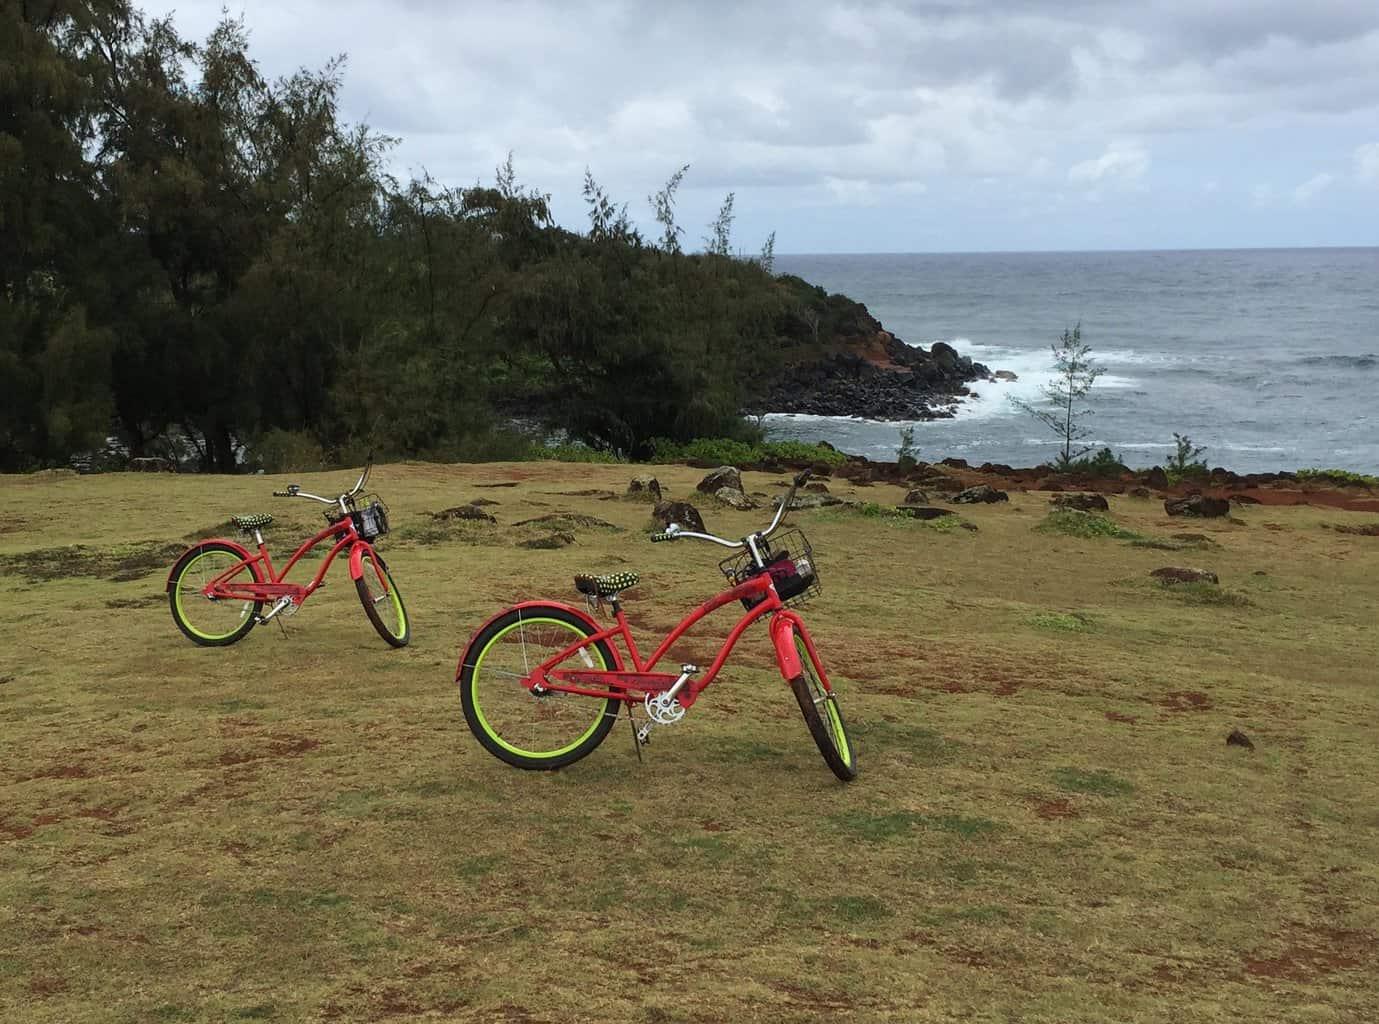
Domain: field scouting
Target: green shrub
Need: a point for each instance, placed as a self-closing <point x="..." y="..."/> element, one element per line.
<point x="1101" y="464"/>
<point x="572" y="453"/>
<point x="1337" y="476"/>
<point x="1072" y="523"/>
<point x="286" y="451"/>
<point x="905" y="454"/>
<point x="1185" y="463"/>
<point x="729" y="452"/>
<point x="1073" y="622"/>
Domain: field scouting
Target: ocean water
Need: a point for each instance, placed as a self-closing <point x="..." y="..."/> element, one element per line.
<point x="1269" y="358"/>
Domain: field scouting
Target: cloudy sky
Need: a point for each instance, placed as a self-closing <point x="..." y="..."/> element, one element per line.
<point x="867" y="127"/>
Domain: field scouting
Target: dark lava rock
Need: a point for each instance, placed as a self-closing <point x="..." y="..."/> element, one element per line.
<point x="1239" y="739"/>
<point x="1198" y="505"/>
<point x="471" y="512"/>
<point x="984" y="494"/>
<point x="1156" y="478"/>
<point x="1179" y="574"/>
<point x="734" y="498"/>
<point x="1245" y="499"/>
<point x="682" y="512"/>
<point x="1141" y="492"/>
<point x="817" y="486"/>
<point x="807" y="501"/>
<point x="644" y="487"/>
<point x="723" y="476"/>
<point x="916" y="497"/>
<point x="867" y="371"/>
<point x="1081" y="502"/>
<point x="954" y="463"/>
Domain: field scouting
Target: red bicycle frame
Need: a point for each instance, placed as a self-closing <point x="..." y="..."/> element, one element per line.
<point x="275" y="587"/>
<point x="632" y="685"/>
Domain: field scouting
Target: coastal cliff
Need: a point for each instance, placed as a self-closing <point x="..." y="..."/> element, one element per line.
<point x="840" y="361"/>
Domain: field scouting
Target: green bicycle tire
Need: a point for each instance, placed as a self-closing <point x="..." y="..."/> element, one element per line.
<point x="398" y="631"/>
<point x="505" y="718"/>
<point x="829" y="728"/>
<point x="200" y="561"/>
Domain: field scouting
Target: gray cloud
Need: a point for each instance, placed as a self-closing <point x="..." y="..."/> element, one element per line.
<point x="849" y="99"/>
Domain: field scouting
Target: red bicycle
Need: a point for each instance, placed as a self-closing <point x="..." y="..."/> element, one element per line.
<point x="218" y="588"/>
<point x="541" y="682"/>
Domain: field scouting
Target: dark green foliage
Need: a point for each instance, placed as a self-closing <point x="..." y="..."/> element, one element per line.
<point x="1102" y="463"/>
<point x="208" y="264"/>
<point x="1185" y="463"/>
<point x="905" y="454"/>
<point x="729" y="452"/>
<point x="1342" y="477"/>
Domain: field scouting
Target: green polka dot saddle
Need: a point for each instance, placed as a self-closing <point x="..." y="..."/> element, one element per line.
<point x="251" y="523"/>
<point x="607" y="585"/>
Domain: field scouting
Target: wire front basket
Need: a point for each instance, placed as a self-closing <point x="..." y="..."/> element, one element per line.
<point x="789" y="560"/>
<point x="370" y="517"/>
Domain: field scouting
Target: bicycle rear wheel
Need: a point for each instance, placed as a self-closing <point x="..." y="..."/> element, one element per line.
<point x="822" y="713"/>
<point x="545" y="731"/>
<point x="207" y="620"/>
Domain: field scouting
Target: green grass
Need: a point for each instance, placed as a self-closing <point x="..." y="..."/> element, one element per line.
<point x="1047" y="827"/>
<point x="1096" y="783"/>
<point x="1087" y="525"/>
<point x="1062" y="622"/>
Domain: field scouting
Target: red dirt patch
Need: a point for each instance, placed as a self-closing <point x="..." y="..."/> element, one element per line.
<point x="1186" y="700"/>
<point x="41" y="986"/>
<point x="1116" y="716"/>
<point x="1312" y="952"/>
<point x="292" y="746"/>
<point x="14" y="831"/>
<point x="1051" y="810"/>
<point x="64" y="771"/>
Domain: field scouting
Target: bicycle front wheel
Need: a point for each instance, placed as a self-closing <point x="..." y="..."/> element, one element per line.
<point x="209" y="620"/>
<point x="822" y="713"/>
<point x="382" y="600"/>
<point x="545" y="731"/>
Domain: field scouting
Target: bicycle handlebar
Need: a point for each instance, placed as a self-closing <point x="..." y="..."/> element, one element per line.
<point x="673" y="531"/>
<point x="293" y="491"/>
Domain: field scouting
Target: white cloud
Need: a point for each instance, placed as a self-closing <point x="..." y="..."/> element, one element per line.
<point x="1367" y="163"/>
<point x="1262" y="195"/>
<point x="1121" y="163"/>
<point x="1311" y="188"/>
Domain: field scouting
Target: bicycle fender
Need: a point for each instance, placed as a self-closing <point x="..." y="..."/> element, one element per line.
<point x="357" y="552"/>
<point x="787" y="657"/>
<point x="240" y="549"/>
<point x="578" y="613"/>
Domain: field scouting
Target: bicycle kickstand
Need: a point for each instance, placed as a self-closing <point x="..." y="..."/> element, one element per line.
<point x="638" y="740"/>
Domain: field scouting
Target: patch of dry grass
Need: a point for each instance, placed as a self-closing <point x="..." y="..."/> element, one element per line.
<point x="1048" y="825"/>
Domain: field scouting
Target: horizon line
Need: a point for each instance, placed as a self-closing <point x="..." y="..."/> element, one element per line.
<point x="1077" y="252"/>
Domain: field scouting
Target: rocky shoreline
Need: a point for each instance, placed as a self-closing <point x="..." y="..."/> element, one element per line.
<point x="864" y="370"/>
<point x="956" y="475"/>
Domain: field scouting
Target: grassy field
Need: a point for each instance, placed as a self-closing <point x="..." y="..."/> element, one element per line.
<point x="1049" y="825"/>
